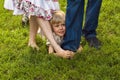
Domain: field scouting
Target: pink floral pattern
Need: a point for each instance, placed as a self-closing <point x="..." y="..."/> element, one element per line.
<point x="43" y="10"/>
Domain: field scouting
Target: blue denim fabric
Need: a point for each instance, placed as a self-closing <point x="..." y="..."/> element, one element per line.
<point x="74" y="20"/>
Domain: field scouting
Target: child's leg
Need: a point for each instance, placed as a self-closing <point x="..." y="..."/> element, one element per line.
<point x="33" y="32"/>
<point x="46" y="28"/>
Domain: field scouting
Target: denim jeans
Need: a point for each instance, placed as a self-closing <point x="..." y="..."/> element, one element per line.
<point x="74" y="21"/>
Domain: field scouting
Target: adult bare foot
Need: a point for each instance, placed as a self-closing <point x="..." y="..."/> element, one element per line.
<point x="65" y="54"/>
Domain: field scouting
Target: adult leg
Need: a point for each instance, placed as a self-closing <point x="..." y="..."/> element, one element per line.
<point x="74" y="19"/>
<point x="46" y="28"/>
<point x="33" y="32"/>
<point x="91" y="22"/>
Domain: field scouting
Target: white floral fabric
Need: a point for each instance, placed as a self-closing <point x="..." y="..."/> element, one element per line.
<point x="40" y="8"/>
<point x="8" y="4"/>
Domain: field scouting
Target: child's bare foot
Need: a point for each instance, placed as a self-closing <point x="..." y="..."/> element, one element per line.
<point x="65" y="54"/>
<point x="50" y="50"/>
<point x="80" y="49"/>
<point x="33" y="45"/>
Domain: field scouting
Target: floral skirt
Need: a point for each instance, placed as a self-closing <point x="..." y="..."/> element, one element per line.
<point x="8" y="4"/>
<point x="40" y="8"/>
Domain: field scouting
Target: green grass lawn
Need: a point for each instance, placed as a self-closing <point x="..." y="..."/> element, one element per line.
<point x="20" y="62"/>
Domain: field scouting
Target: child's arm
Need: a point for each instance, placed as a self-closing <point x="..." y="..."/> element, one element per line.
<point x="50" y="49"/>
